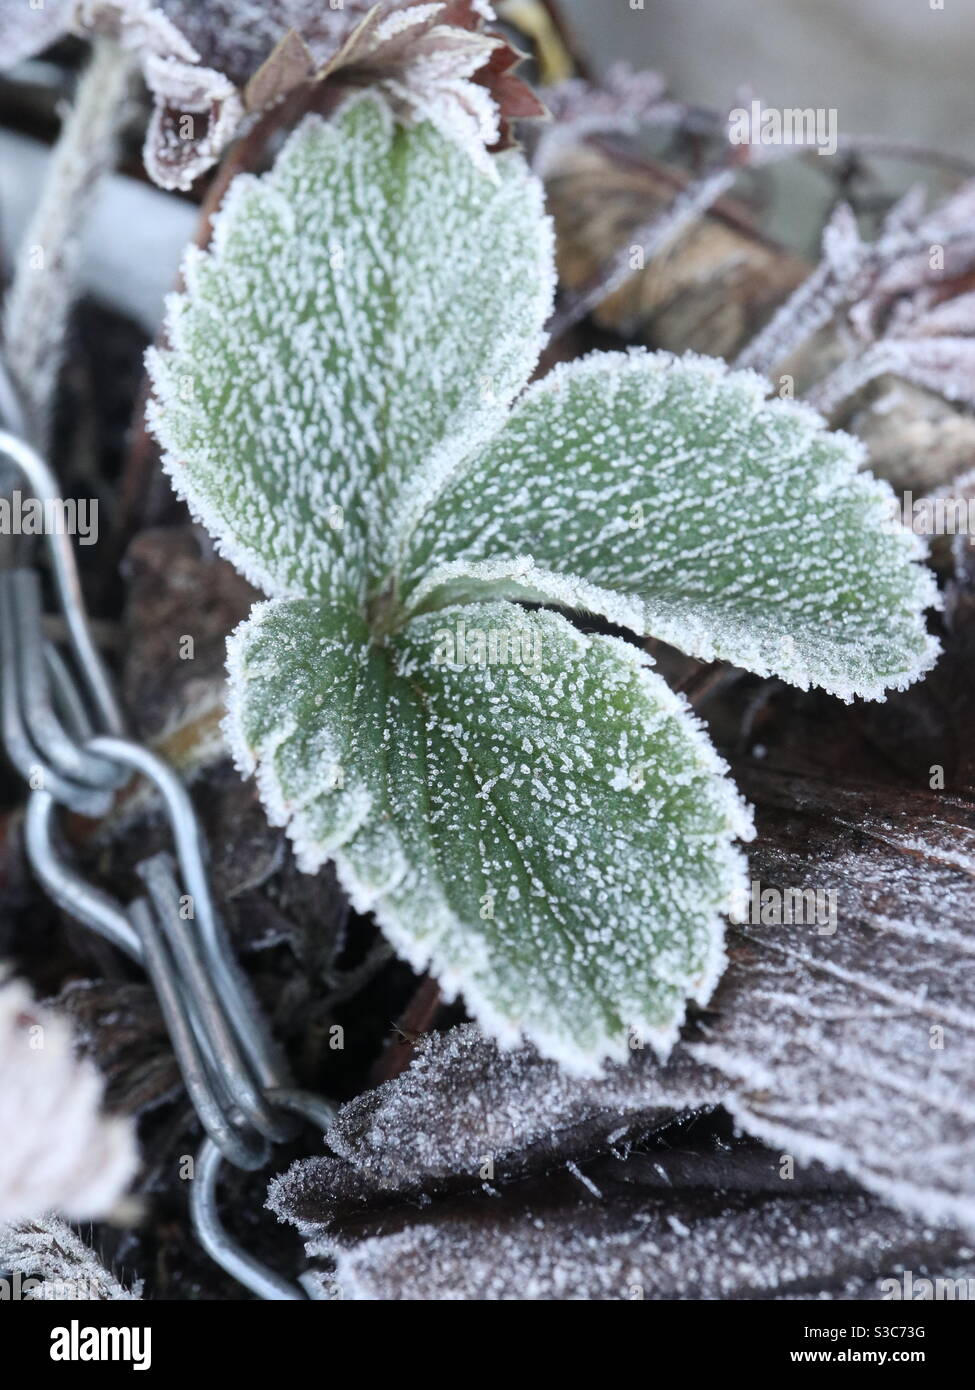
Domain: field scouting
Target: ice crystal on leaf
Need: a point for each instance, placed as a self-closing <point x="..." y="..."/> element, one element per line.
<point x="538" y="833"/>
<point x="698" y="512"/>
<point x="529" y="811"/>
<point x="334" y="343"/>
<point x="742" y="1247"/>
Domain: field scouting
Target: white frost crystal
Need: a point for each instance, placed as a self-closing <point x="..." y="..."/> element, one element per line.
<point x="46" y="1249"/>
<point x="59" y="1151"/>
<point x="552" y="839"/>
<point x="845" y="1247"/>
<point x="530" y="812"/>
<point x="211" y="63"/>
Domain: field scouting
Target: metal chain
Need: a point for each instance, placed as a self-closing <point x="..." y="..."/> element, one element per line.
<point x="64" y="732"/>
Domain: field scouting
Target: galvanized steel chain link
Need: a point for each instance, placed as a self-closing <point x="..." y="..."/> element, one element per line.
<point x="65" y="733"/>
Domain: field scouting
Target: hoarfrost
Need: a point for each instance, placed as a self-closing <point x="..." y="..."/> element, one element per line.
<point x="207" y="65"/>
<point x="886" y="295"/>
<point x="49" y="1250"/>
<point x="37" y="307"/>
<point x="856" y="1046"/>
<point x="463" y="1100"/>
<point x="942" y="364"/>
<point x="440" y="813"/>
<point x="549" y="832"/>
<point x="836" y="281"/>
<point x="741" y="528"/>
<point x="424" y="69"/>
<point x="650" y="1249"/>
<point x="621" y="103"/>
<point x="852" y="1047"/>
<point x="299" y="468"/>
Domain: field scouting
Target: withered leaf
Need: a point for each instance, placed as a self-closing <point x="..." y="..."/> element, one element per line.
<point x="208" y="64"/>
<point x="289" y="65"/>
<point x="646" y="1248"/>
<point x="912" y="282"/>
<point x="462" y="1100"/>
<point x="708" y="291"/>
<point x="942" y="364"/>
<point x="855" y="1048"/>
<point x="49" y="1249"/>
<point x="851" y="1048"/>
<point x="182" y="601"/>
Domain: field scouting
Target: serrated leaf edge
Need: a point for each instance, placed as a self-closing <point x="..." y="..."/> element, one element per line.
<point x="532" y="582"/>
<point x="374" y="897"/>
<point x="449" y="454"/>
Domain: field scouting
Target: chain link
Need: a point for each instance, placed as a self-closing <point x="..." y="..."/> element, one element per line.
<point x="64" y="732"/>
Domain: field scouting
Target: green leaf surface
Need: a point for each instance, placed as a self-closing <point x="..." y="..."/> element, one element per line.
<point x="531" y="813"/>
<point x="362" y="320"/>
<point x="669" y="495"/>
<point x="543" y="826"/>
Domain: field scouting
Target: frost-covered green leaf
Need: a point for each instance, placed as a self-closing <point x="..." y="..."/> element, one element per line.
<point x="529" y="811"/>
<point x="694" y="510"/>
<point x="365" y="316"/>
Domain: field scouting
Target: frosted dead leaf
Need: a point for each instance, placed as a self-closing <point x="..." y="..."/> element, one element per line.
<point x="462" y="1101"/>
<point x="207" y="64"/>
<point x="901" y="302"/>
<point x="49" y="1250"/>
<point x="853" y="1049"/>
<point x="642" y="1247"/>
<point x="857" y="1047"/>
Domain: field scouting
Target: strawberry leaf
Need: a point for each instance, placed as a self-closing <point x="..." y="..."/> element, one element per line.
<point x="551" y="833"/>
<point x="670" y="496"/>
<point x="530" y="812"/>
<point x="363" y="320"/>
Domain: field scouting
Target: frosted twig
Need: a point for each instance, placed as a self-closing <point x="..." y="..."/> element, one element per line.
<point x="651" y="238"/>
<point x="802" y="315"/>
<point x="816" y="300"/>
<point x="945" y="365"/>
<point x="46" y="272"/>
<point x="864" y="279"/>
<point x="849" y="378"/>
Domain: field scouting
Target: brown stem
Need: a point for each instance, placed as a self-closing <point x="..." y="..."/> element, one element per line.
<point x="416" y="1019"/>
<point x="701" y="684"/>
